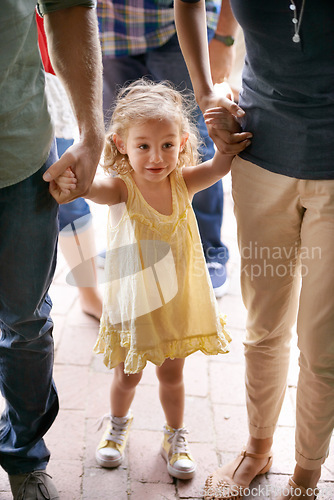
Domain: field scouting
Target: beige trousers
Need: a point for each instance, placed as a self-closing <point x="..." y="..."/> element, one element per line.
<point x="286" y="242"/>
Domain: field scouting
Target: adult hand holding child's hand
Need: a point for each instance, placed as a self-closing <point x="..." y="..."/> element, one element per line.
<point x="221" y="115"/>
<point x="63" y="186"/>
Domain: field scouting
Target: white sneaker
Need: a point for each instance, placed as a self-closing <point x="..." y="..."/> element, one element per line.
<point x="110" y="451"/>
<point x="174" y="450"/>
<point x="219" y="279"/>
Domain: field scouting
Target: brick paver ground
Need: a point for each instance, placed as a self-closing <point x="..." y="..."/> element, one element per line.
<point x="215" y="407"/>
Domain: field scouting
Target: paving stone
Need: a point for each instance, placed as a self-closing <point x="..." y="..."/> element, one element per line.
<point x="326" y="475"/>
<point x="4" y="483"/>
<point x="149" y="375"/>
<point x="259" y="489"/>
<point x="284" y="450"/>
<point x="145" y="462"/>
<point x="67" y="476"/>
<point x="63" y="296"/>
<point x="326" y="491"/>
<point x="287" y="416"/>
<point x="196" y="374"/>
<point x="105" y="484"/>
<point x="227" y="456"/>
<point x="198" y="420"/>
<point x="97" y="364"/>
<point x="230" y="423"/>
<point x="277" y="484"/>
<point x="58" y="329"/>
<point x="227" y="383"/>
<point x="328" y="467"/>
<point x="74" y="336"/>
<point x="233" y="275"/>
<point x="71" y="382"/>
<point x="236" y="349"/>
<point x="6" y="495"/>
<point x="148" y="414"/>
<point x="151" y="491"/>
<point x="293" y="367"/>
<point x="65" y="438"/>
<point x="233" y="307"/>
<point x="98" y="393"/>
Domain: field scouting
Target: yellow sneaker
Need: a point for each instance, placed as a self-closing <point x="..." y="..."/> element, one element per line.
<point x="174" y="450"/>
<point x="110" y="451"/>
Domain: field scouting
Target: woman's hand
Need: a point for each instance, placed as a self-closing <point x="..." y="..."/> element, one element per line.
<point x="224" y="130"/>
<point x="221" y="116"/>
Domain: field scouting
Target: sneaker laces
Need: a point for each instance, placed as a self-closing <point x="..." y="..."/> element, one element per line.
<point x="178" y="441"/>
<point x="34" y="477"/>
<point x="118" y="427"/>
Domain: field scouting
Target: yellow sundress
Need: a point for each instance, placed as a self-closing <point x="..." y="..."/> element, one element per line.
<point x="158" y="299"/>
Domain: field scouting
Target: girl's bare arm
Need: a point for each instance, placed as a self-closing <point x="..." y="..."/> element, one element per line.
<point x="107" y="191"/>
<point x="206" y="174"/>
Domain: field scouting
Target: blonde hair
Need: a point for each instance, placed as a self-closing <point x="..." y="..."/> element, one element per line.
<point x="145" y="100"/>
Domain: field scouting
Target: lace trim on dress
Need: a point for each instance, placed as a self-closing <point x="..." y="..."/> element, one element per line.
<point x="112" y="342"/>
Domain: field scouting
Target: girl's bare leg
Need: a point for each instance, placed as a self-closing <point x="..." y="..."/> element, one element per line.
<point x="122" y="392"/>
<point x="171" y="391"/>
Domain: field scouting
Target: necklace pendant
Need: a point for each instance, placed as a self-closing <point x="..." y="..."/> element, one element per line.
<point x="296" y="38"/>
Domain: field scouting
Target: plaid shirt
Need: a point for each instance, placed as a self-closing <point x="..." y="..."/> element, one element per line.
<point x="129" y="27"/>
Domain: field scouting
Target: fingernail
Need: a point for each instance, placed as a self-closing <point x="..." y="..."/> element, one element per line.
<point x="240" y="112"/>
<point x="47" y="177"/>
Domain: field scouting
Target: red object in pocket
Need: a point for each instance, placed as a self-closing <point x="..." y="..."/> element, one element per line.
<point x="43" y="45"/>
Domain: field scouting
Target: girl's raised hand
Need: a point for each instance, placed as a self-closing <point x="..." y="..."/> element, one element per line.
<point x="220" y="120"/>
<point x="61" y="187"/>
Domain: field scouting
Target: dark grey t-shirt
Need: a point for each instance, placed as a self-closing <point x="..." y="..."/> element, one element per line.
<point x="288" y="88"/>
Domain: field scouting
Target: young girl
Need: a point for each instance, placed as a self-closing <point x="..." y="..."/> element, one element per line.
<point x="159" y="304"/>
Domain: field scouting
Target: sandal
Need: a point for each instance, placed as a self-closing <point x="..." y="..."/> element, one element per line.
<point x="297" y="492"/>
<point x="220" y="484"/>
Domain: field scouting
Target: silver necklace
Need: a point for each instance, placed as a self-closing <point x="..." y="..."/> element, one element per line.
<point x="296" y="22"/>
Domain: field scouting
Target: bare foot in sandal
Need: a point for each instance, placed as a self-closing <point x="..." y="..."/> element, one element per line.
<point x="303" y="485"/>
<point x="229" y="481"/>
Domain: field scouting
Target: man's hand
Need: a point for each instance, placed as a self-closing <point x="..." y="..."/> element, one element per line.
<point x="82" y="159"/>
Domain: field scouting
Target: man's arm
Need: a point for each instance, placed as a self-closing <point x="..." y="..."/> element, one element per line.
<point x="190" y="19"/>
<point x="75" y="54"/>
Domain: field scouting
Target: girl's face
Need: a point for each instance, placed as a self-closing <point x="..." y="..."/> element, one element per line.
<point x="153" y="148"/>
